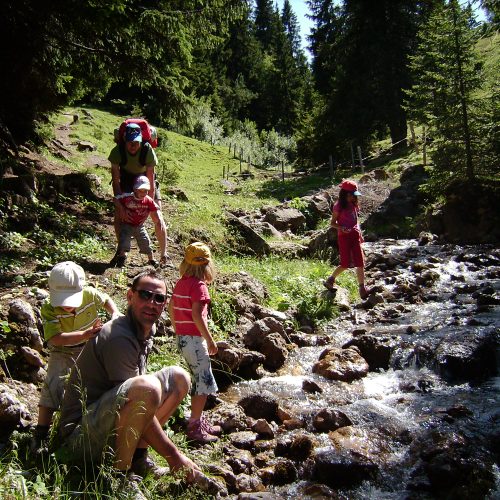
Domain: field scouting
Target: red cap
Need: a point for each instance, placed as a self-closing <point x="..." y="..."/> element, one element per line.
<point x="350" y="186"/>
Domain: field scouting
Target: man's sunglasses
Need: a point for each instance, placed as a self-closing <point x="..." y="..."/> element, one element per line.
<point x="158" y="298"/>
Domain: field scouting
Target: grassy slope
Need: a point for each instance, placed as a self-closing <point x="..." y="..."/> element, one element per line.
<point x="199" y="166"/>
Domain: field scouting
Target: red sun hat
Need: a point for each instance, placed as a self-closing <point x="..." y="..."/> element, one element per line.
<point x="350" y="186"/>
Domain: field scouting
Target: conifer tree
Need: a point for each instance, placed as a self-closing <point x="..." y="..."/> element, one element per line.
<point x="447" y="74"/>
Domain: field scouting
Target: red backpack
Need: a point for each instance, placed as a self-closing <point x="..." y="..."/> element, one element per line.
<point x="149" y="139"/>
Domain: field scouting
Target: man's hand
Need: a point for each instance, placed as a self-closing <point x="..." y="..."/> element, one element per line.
<point x="181" y="463"/>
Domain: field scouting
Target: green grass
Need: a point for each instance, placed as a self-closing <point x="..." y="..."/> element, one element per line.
<point x="292" y="284"/>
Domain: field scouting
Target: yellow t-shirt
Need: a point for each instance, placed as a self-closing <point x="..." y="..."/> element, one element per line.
<point x="56" y="320"/>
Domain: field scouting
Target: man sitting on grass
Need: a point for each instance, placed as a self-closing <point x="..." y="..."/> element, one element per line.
<point x="112" y="406"/>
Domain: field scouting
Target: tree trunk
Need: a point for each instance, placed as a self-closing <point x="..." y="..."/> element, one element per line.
<point x="463" y="101"/>
<point x="397" y="128"/>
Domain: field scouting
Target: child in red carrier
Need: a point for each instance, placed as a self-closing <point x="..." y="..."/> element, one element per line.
<point x="345" y="220"/>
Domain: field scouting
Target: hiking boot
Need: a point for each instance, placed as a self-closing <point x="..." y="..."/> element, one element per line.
<point x="214" y="430"/>
<point x="120" y="261"/>
<point x="128" y="486"/>
<point x="145" y="466"/>
<point x="153" y="263"/>
<point x="363" y="291"/>
<point x="196" y="432"/>
<point x="113" y="261"/>
<point x="329" y="283"/>
<point x="39" y="442"/>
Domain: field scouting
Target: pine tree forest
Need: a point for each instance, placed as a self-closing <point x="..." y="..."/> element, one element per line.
<point x="231" y="71"/>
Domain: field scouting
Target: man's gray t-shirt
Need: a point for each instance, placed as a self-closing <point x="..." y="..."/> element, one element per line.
<point x="116" y="354"/>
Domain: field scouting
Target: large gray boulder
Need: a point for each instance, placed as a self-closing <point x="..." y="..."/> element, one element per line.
<point x="286" y="218"/>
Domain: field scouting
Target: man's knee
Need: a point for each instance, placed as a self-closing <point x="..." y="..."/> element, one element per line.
<point x="175" y="381"/>
<point x="182" y="380"/>
<point x="145" y="389"/>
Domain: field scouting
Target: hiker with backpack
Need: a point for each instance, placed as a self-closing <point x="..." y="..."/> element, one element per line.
<point x="132" y="156"/>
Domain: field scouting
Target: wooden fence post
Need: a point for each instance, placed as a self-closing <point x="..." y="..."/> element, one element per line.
<point x="424" y="146"/>
<point x="282" y="171"/>
<point x="361" y="164"/>
<point x="330" y="162"/>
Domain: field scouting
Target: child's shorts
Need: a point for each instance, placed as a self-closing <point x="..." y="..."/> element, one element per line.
<point x="195" y="352"/>
<point x="139" y="233"/>
<point x="59" y="366"/>
<point x="351" y="253"/>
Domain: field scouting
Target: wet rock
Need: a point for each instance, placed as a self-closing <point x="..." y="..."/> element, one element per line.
<point x="340" y="297"/>
<point x="281" y="471"/>
<point x="263" y="337"/>
<point x="293" y="423"/>
<point x="224" y="472"/>
<point x="248" y="484"/>
<point x="342" y="468"/>
<point x="319" y="491"/>
<point x="231" y="417"/>
<point x="265" y="495"/>
<point x="297" y="447"/>
<point x="341" y="364"/>
<point x="311" y="386"/>
<point x="263" y="428"/>
<point x="232" y="360"/>
<point x="373" y="300"/>
<point x="453" y="468"/>
<point x="286" y="218"/>
<point x="327" y="420"/>
<point x="240" y="460"/>
<point x="21" y="311"/>
<point x="376" y="350"/>
<point x="283" y="414"/>
<point x="275" y="351"/>
<point x="424" y="238"/>
<point x="428" y="278"/>
<point x="263" y="405"/>
<point x="468" y="358"/>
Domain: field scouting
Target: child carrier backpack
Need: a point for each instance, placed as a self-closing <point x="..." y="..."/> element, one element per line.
<point x="149" y="139"/>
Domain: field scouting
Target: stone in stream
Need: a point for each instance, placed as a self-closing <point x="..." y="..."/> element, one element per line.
<point x="376" y="350"/>
<point x="327" y="420"/>
<point x="262" y="405"/>
<point x="281" y="471"/>
<point x="341" y="364"/>
<point x="342" y="468"/>
<point x="311" y="386"/>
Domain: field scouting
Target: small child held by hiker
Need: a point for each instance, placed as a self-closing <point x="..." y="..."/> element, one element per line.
<point x="70" y="317"/>
<point x="188" y="309"/>
<point x="345" y="220"/>
<point x="139" y="206"/>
